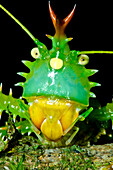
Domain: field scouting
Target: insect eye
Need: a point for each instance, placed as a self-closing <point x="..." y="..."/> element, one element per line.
<point x="35" y="53"/>
<point x="83" y="59"/>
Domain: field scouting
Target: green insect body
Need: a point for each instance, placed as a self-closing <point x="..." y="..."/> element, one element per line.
<point x="57" y="88"/>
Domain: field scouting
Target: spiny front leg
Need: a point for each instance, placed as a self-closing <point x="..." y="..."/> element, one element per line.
<point x="14" y="107"/>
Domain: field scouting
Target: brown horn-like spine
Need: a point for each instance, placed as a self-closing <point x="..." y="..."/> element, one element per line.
<point x="69" y="17"/>
<point x="58" y="23"/>
<point x="52" y="14"/>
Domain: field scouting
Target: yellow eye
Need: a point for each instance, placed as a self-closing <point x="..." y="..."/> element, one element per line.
<point x="83" y="59"/>
<point x="35" y="53"/>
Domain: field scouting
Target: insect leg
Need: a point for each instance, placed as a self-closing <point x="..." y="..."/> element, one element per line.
<point x="72" y="136"/>
<point x="81" y="118"/>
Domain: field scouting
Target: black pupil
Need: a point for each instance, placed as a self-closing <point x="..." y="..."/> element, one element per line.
<point x="83" y="59"/>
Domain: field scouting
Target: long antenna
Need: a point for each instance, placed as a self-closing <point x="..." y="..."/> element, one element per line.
<point x="19" y="23"/>
<point x="94" y="52"/>
<point x="34" y="39"/>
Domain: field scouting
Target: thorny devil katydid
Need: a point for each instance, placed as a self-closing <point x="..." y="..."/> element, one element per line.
<point x="56" y="89"/>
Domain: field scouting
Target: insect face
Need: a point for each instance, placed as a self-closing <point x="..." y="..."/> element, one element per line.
<point x="57" y="86"/>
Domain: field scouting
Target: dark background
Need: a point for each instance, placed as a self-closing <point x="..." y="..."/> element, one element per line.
<point x="91" y="28"/>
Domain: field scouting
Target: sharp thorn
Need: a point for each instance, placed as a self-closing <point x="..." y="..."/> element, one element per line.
<point x="112" y="124"/>
<point x="14" y="118"/>
<point x="29" y="133"/>
<point x="6" y="141"/>
<point x="6" y="123"/>
<point x="92" y="95"/>
<point x="19" y="127"/>
<point x="90" y="72"/>
<point x="19" y="84"/>
<point x="1" y="87"/>
<point x="93" y="84"/>
<point x="69" y="39"/>
<point x="3" y="128"/>
<point x="27" y="63"/>
<point x="10" y="92"/>
<point x="22" y="74"/>
<point x="3" y="137"/>
<point x="74" y="6"/>
<point x="0" y="114"/>
<point x="49" y="36"/>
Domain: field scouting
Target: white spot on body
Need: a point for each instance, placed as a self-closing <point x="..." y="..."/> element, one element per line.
<point x="36" y="101"/>
<point x="68" y="104"/>
<point x="12" y="106"/>
<point x="57" y="53"/>
<point x="51" y="117"/>
<point x="4" y="102"/>
<point x="52" y="76"/>
<point x="58" y="43"/>
<point x="49" y="102"/>
<point x="38" y="90"/>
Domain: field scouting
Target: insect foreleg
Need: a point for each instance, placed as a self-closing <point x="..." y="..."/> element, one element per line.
<point x="80" y="118"/>
<point x="72" y="136"/>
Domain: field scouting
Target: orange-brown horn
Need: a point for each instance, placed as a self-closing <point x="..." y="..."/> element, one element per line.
<point x="69" y="17"/>
<point x="52" y="14"/>
<point x="58" y="23"/>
